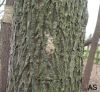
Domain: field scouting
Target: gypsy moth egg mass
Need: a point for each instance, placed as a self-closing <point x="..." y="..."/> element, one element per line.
<point x="49" y="45"/>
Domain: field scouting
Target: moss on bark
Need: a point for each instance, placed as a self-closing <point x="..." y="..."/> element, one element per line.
<point x="47" y="46"/>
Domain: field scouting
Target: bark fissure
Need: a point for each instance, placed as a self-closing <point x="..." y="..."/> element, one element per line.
<point x="48" y="46"/>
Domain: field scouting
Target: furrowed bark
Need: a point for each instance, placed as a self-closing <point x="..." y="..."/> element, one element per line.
<point x="47" y="46"/>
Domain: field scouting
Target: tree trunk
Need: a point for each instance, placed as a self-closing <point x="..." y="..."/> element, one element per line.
<point x="5" y="52"/>
<point x="5" y="41"/>
<point x="91" y="57"/>
<point x="47" y="46"/>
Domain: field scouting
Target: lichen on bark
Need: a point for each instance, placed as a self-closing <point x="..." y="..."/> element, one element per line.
<point x="32" y="68"/>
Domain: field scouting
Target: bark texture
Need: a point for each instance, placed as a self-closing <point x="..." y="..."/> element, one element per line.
<point x="47" y="46"/>
<point x="5" y="52"/>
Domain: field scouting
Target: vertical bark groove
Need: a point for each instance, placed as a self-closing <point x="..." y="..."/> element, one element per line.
<point x="32" y="69"/>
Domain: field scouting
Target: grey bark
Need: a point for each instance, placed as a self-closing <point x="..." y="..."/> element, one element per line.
<point x="47" y="46"/>
<point x="10" y="2"/>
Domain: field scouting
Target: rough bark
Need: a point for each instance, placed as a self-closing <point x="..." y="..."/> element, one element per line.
<point x="47" y="46"/>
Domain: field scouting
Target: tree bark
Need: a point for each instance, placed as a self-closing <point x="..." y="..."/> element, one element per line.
<point x="0" y="58"/>
<point x="5" y="37"/>
<point x="6" y="32"/>
<point x="47" y="46"/>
